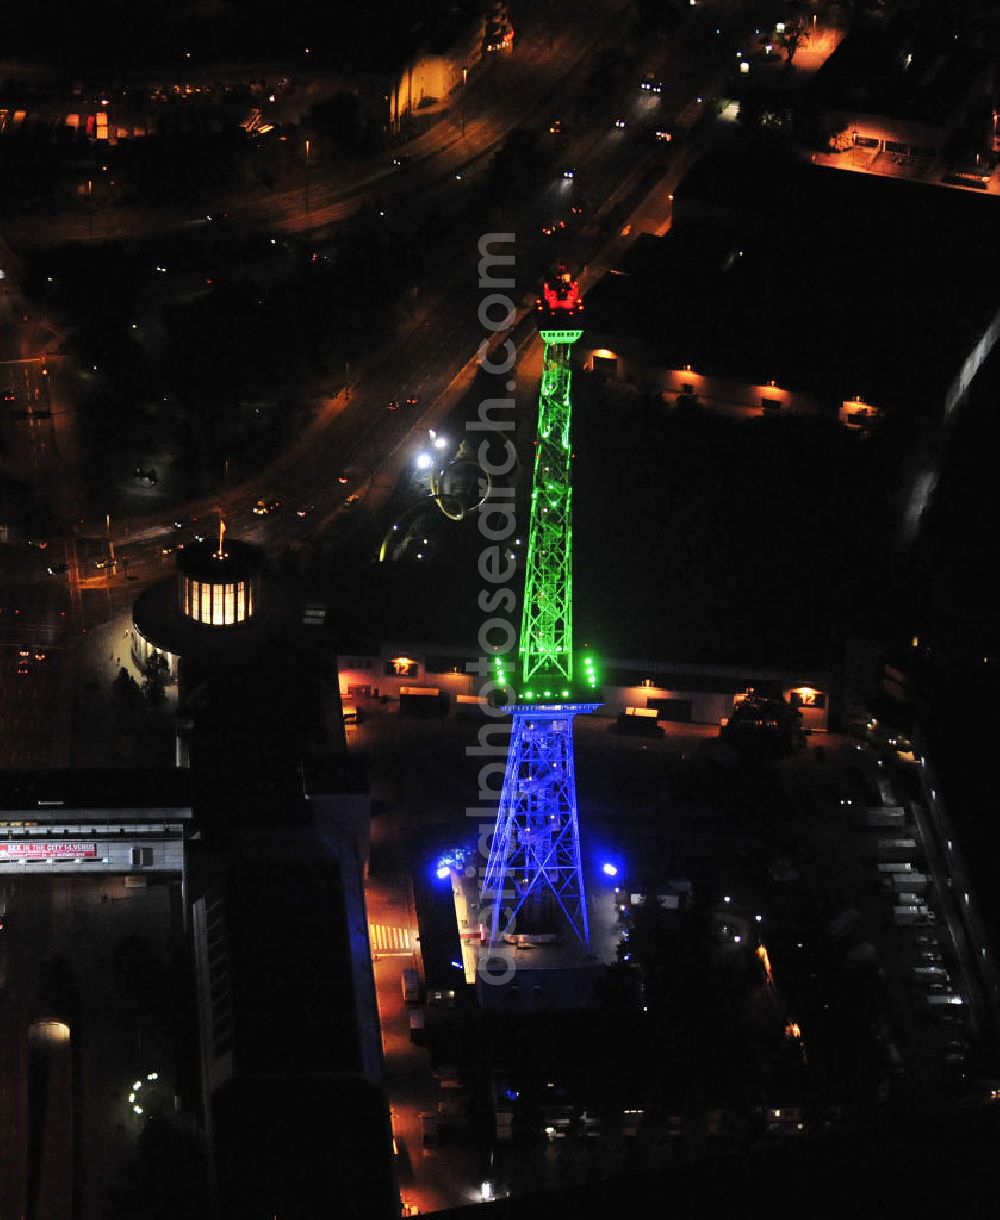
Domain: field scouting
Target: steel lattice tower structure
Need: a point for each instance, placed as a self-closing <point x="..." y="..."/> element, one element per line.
<point x="534" y="871"/>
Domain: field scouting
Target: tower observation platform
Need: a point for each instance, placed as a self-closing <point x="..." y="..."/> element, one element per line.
<point x="534" y="878"/>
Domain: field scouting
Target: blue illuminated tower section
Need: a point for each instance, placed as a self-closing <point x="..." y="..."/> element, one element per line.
<point x="534" y="877"/>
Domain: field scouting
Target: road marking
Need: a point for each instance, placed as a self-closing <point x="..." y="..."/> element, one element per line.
<point x="385" y="938"/>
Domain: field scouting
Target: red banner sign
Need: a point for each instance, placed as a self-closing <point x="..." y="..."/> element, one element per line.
<point x="48" y="851"/>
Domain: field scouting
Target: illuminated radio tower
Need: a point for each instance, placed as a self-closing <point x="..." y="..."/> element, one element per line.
<point x="534" y="877"/>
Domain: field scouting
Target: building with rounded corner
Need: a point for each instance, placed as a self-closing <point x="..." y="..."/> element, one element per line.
<point x="216" y="596"/>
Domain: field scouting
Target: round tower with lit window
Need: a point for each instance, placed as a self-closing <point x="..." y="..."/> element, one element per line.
<point x="217" y="591"/>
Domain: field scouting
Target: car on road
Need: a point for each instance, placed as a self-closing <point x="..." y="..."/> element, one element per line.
<point x="265" y="506"/>
<point x="57" y="569"/>
<point x="555" y="127"/>
<point x="343" y="478"/>
<point x="401" y="159"/>
<point x="569" y="173"/>
<point x="352" y="500"/>
<point x="169" y="550"/>
<point x="621" y="123"/>
<point x="651" y="84"/>
<point x="304" y="510"/>
<point x="37" y="544"/>
<point x="663" y="135"/>
<point x="551" y="227"/>
<point x="393" y="404"/>
<point x="23" y="669"/>
<point x="411" y="401"/>
<point x="183" y="522"/>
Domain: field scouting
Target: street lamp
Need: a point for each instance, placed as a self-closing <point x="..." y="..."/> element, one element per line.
<point x="465" y="77"/>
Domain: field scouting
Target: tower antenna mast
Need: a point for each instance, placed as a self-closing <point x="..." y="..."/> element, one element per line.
<point x="534" y="876"/>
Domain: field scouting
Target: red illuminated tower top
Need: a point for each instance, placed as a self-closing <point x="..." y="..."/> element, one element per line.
<point x="560" y="297"/>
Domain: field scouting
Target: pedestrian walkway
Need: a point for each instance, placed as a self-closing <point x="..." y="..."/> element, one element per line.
<point x="386" y="940"/>
<point x="106" y="733"/>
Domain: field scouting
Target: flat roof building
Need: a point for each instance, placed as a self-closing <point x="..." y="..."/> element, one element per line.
<point x="291" y="1060"/>
<point x="905" y="88"/>
<point x="79" y="823"/>
<point x="788" y="286"/>
<point x="676" y="691"/>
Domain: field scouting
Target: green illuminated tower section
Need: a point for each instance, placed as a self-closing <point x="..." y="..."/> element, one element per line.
<point x="547" y="616"/>
<point x="534" y="877"/>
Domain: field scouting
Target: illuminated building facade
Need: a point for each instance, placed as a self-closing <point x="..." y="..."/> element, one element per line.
<point x="534" y="876"/>
<point x="429" y="75"/>
<point x="678" y="692"/>
<point x="221" y="590"/>
<point x="80" y="823"/>
<point x="895" y="97"/>
<point x="217" y="589"/>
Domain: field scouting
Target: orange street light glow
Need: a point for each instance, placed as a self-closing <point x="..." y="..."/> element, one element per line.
<point x="765" y="962"/>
